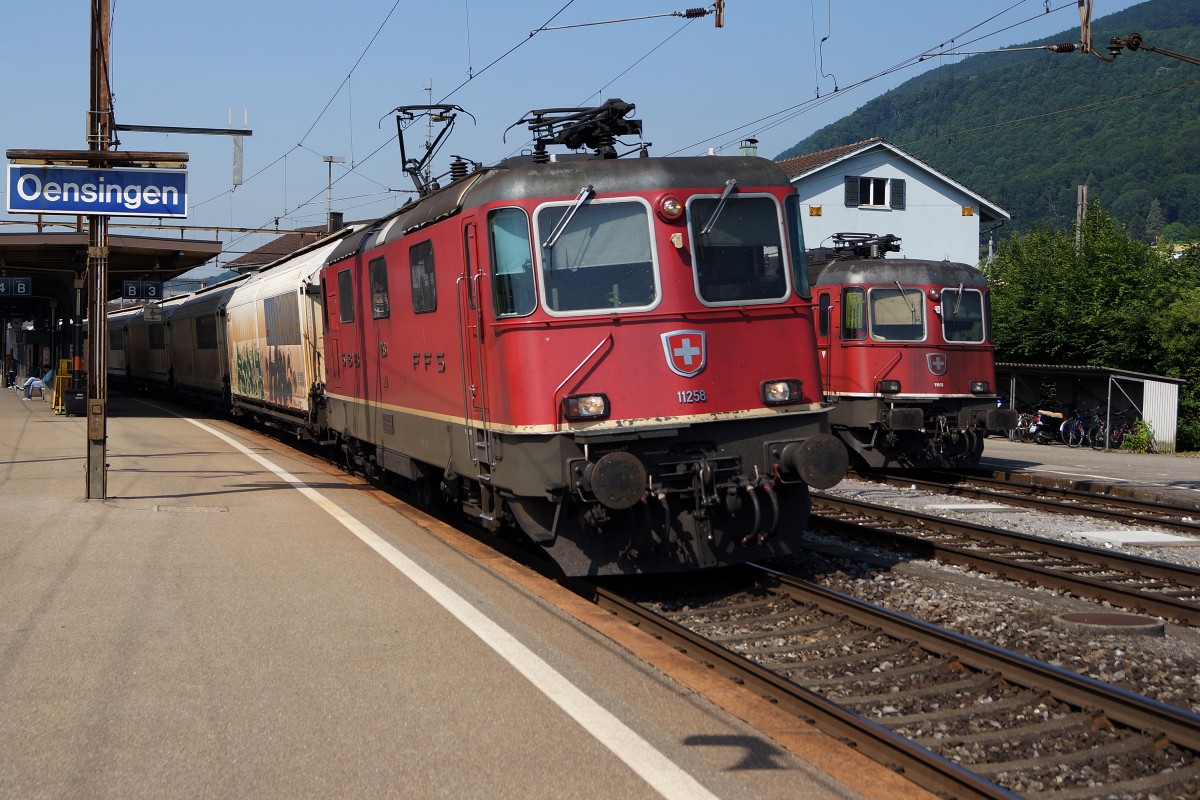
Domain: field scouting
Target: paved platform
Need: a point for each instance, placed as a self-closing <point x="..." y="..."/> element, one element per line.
<point x="236" y="620"/>
<point x="1171" y="477"/>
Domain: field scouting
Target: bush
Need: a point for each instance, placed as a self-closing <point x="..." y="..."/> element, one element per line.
<point x="1187" y="436"/>
<point x="1140" y="439"/>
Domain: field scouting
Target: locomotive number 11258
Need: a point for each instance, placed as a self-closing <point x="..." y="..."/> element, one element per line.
<point x="692" y="396"/>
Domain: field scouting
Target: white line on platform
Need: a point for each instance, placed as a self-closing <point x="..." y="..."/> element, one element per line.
<point x="663" y="774"/>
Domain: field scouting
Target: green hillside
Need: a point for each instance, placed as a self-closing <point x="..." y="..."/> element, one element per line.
<point x="1025" y="129"/>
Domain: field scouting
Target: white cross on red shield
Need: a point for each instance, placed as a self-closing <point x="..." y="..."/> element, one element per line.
<point x="937" y="363"/>
<point x="685" y="351"/>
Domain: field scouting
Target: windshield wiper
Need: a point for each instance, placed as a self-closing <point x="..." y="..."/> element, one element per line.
<point x="957" y="301"/>
<point x="912" y="308"/>
<point x="730" y="185"/>
<point x="585" y="194"/>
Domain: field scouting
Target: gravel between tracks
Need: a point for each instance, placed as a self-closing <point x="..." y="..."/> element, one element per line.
<point x="1015" y="617"/>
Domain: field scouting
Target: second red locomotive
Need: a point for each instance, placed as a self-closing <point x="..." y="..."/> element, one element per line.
<point x="906" y="354"/>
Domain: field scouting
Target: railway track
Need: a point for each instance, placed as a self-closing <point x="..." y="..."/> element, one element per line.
<point x="1063" y="497"/>
<point x="1138" y="584"/>
<point x="959" y="717"/>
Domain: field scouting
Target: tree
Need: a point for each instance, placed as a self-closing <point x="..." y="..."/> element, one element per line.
<point x="1154" y="222"/>
<point x="1174" y="233"/>
<point x="1110" y="300"/>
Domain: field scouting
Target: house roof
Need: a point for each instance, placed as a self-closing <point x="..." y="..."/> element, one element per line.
<point x="801" y="167"/>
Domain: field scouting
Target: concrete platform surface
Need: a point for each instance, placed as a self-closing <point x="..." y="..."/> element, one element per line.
<point x="237" y="620"/>
<point x="1171" y="477"/>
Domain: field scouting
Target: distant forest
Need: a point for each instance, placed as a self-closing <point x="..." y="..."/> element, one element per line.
<point x="1025" y="129"/>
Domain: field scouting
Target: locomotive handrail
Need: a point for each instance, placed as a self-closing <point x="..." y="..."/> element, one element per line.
<point x="558" y="389"/>
<point x="883" y="370"/>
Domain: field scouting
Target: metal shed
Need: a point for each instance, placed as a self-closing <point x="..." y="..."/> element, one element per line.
<point x="1155" y="398"/>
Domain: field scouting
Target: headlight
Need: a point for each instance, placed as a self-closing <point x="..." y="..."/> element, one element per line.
<point x="779" y="392"/>
<point x="669" y="208"/>
<point x="981" y="387"/>
<point x="585" y="406"/>
<point x="889" y="387"/>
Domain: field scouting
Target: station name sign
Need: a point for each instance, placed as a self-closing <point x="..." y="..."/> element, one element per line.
<point x="101" y="192"/>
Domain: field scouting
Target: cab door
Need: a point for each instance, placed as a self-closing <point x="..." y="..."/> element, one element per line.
<point x="471" y="339"/>
<point x="333" y="299"/>
<point x="825" y="355"/>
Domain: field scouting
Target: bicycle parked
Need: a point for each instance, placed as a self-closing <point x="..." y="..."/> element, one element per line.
<point x="1073" y="430"/>
<point x="1117" y="436"/>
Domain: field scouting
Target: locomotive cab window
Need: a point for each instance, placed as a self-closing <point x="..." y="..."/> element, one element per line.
<point x="824" y="305"/>
<point x="599" y="256"/>
<point x="795" y="231"/>
<point x="512" y="263"/>
<point x="345" y="296"/>
<point x="897" y="315"/>
<point x="854" y="313"/>
<point x="380" y="305"/>
<point x="424" y="290"/>
<point x="962" y="315"/>
<point x="737" y="250"/>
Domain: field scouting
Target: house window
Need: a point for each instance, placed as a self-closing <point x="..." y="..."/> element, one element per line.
<point x="874" y="192"/>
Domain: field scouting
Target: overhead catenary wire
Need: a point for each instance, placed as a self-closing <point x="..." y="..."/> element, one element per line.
<point x="355" y="168"/>
<point x="763" y="123"/>
<point x="774" y="119"/>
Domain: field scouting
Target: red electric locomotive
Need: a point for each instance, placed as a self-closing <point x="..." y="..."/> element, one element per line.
<point x="615" y="356"/>
<point x="905" y="353"/>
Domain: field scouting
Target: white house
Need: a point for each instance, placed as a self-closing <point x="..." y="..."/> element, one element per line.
<point x="875" y="187"/>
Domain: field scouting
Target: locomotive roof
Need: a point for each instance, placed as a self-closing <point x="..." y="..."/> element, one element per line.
<point x="889" y="270"/>
<point x="521" y="178"/>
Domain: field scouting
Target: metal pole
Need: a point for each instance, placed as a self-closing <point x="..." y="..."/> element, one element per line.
<point x="99" y="135"/>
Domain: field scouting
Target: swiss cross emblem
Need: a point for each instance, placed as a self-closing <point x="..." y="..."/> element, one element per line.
<point x="686" y="354"/>
<point x="936" y="362"/>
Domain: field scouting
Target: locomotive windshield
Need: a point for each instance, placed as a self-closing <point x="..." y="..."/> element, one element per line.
<point x="738" y="253"/>
<point x="600" y="259"/>
<point x="962" y="315"/>
<point x="897" y="314"/>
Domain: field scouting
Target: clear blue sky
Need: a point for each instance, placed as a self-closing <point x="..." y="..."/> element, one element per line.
<point x="320" y="79"/>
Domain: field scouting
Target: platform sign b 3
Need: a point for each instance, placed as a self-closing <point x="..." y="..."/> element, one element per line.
<point x="142" y="290"/>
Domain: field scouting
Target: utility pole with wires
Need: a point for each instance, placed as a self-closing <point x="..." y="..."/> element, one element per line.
<point x="330" y="160"/>
<point x="99" y="141"/>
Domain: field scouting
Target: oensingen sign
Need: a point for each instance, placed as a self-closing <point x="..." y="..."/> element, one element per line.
<point x="102" y="192"/>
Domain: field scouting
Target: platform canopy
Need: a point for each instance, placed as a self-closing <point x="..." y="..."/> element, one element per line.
<point x="63" y="256"/>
